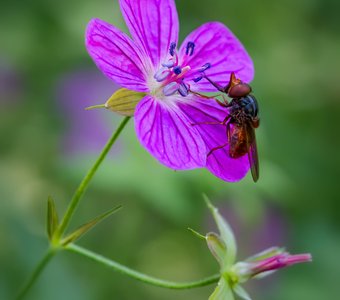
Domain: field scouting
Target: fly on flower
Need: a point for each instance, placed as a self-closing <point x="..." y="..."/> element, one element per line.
<point x="241" y="121"/>
<point x="152" y="63"/>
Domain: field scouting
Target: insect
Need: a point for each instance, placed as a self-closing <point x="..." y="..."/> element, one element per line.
<point x="240" y="122"/>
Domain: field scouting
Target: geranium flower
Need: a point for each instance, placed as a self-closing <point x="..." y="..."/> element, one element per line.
<point x="151" y="63"/>
<point x="233" y="274"/>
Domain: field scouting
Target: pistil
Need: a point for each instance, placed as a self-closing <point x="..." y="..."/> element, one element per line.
<point x="172" y="75"/>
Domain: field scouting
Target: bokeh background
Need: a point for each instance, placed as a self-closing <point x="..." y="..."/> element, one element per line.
<point x="48" y="141"/>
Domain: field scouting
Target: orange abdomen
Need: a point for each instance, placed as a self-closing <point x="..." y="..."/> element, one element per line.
<point x="238" y="145"/>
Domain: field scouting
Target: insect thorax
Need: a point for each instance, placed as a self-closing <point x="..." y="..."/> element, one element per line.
<point x="245" y="108"/>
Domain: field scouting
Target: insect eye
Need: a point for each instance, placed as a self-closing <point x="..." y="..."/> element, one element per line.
<point x="239" y="90"/>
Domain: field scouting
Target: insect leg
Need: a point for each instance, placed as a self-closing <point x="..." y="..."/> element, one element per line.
<point x="226" y="120"/>
<point x="228" y="132"/>
<point x="225" y="100"/>
<point x="215" y="84"/>
<point x="223" y="104"/>
<point x="216" y="148"/>
<point x="204" y="96"/>
<point x="207" y="123"/>
<point x="213" y="123"/>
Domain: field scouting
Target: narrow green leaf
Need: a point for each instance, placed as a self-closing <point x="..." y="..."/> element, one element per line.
<point x="217" y="247"/>
<point x="75" y="235"/>
<point x="222" y="291"/>
<point x="226" y="234"/>
<point x="124" y="101"/>
<point x="52" y="217"/>
<point x="194" y="232"/>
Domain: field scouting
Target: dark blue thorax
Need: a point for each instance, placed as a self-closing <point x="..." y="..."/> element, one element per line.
<point x="249" y="106"/>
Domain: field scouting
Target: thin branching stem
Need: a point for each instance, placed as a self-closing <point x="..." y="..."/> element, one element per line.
<point x="85" y="182"/>
<point x="94" y="256"/>
<point x="70" y="211"/>
<point x="138" y="275"/>
<point x="37" y="271"/>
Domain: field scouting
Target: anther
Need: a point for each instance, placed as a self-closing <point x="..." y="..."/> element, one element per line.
<point x="162" y="74"/>
<point x="197" y="79"/>
<point x="170" y="88"/>
<point x="205" y="67"/>
<point x="190" y="48"/>
<point x="177" y="70"/>
<point x="172" y="48"/>
<point x="183" y="89"/>
<point x="169" y="64"/>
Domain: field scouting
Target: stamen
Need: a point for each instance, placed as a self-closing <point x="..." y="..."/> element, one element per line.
<point x="183" y="89"/>
<point x="170" y="88"/>
<point x="172" y="48"/>
<point x="162" y="74"/>
<point x="177" y="70"/>
<point x="169" y="64"/>
<point x="205" y="67"/>
<point x="197" y="79"/>
<point x="201" y="70"/>
<point x="185" y="70"/>
<point x="190" y="48"/>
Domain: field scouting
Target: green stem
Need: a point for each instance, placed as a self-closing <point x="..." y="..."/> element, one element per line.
<point x="85" y="182"/>
<point x="39" y="268"/>
<point x="140" y="276"/>
<point x="70" y="210"/>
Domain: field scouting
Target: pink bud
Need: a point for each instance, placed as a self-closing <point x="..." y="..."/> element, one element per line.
<point x="278" y="261"/>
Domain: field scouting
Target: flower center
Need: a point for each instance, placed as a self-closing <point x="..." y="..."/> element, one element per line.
<point x="172" y="75"/>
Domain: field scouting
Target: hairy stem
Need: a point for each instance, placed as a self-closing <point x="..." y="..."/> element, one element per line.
<point x="138" y="275"/>
<point x="85" y="182"/>
<point x="39" y="268"/>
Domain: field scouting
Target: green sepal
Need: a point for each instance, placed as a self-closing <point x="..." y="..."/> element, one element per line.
<point x="266" y="254"/>
<point x="95" y="106"/>
<point x="217" y="247"/>
<point x="52" y="218"/>
<point x="241" y="292"/>
<point x="196" y="233"/>
<point x="226" y="234"/>
<point x="222" y="291"/>
<point x="80" y="231"/>
<point x="124" y="101"/>
<point x="270" y="252"/>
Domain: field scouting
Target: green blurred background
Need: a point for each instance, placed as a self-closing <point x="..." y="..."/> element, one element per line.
<point x="47" y="142"/>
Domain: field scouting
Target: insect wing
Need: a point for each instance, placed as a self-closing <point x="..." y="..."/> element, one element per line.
<point x="252" y="152"/>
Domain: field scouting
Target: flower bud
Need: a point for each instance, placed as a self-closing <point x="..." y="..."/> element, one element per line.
<point x="249" y="269"/>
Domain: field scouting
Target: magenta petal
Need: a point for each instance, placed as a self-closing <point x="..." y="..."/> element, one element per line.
<point x="153" y="25"/>
<point x="167" y="134"/>
<point x="217" y="45"/>
<point x="223" y="166"/>
<point x="219" y="162"/>
<point x="116" y="55"/>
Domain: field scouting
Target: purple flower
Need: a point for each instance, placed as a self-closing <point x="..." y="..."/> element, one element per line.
<point x="150" y="62"/>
